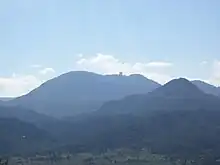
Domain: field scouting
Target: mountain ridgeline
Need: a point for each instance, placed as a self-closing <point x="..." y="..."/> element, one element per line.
<point x="207" y="88"/>
<point x="178" y="94"/>
<point x="80" y="92"/>
<point x="169" y="120"/>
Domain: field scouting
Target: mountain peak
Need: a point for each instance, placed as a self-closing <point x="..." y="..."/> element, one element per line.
<point x="180" y="87"/>
<point x="179" y="81"/>
<point x="80" y="91"/>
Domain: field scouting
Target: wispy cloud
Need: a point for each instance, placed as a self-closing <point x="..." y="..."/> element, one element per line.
<point x="108" y="64"/>
<point x="215" y="73"/>
<point x="17" y="85"/>
<point x="46" y="71"/>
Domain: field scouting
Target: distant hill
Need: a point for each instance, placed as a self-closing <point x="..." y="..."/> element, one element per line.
<point x="48" y="125"/>
<point x="177" y="120"/>
<point x="79" y="92"/>
<point x="207" y="88"/>
<point x="25" y="115"/>
<point x="178" y="94"/>
<point x="184" y="134"/>
<point x="20" y="137"/>
<point x="171" y="120"/>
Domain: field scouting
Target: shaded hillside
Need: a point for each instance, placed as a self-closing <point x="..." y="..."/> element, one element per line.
<point x="177" y="119"/>
<point x="51" y="125"/>
<point x="186" y="134"/>
<point x="178" y="94"/>
<point x="78" y="92"/>
<point x="207" y="88"/>
<point x="170" y="120"/>
<point x="25" y="115"/>
<point x="20" y="137"/>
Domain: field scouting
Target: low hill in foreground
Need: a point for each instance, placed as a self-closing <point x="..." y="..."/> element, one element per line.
<point x="20" y="137"/>
<point x="184" y="134"/>
<point x="24" y="114"/>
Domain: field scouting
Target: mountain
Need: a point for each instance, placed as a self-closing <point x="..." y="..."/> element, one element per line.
<point x="25" y="115"/>
<point x="178" y="88"/>
<point x="176" y="120"/>
<point x="178" y="94"/>
<point x="207" y="88"/>
<point x="171" y="120"/>
<point x="47" y="125"/>
<point x="174" y="98"/>
<point x="179" y="134"/>
<point x="20" y="137"/>
<point x="79" y="92"/>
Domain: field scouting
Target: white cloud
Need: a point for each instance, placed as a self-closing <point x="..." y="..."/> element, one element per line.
<point x="46" y="71"/>
<point x="108" y="64"/>
<point x="215" y="73"/>
<point x="17" y="85"/>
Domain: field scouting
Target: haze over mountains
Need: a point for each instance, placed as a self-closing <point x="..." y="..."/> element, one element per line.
<point x="150" y="110"/>
<point x="207" y="88"/>
<point x="178" y="94"/>
<point x="114" y="111"/>
<point x="169" y="120"/>
<point x="23" y="114"/>
<point x="20" y="137"/>
<point x="79" y="92"/>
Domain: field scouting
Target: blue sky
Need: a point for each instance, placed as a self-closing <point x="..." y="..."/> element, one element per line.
<point x="160" y="39"/>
